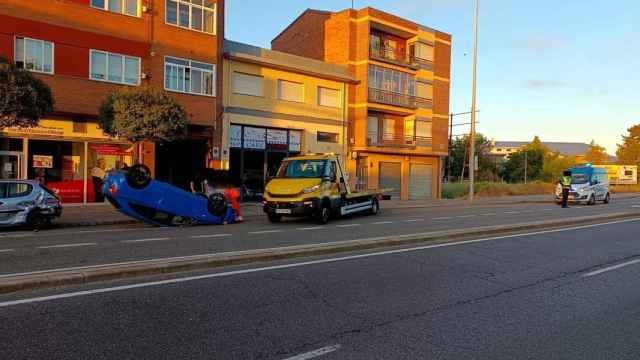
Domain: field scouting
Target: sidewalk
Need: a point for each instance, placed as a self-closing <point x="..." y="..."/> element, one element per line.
<point x="105" y="214"/>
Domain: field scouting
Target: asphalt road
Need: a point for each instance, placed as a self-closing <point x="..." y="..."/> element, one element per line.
<point x="564" y="294"/>
<point x="22" y="252"/>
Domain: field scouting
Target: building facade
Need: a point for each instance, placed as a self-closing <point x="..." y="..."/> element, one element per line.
<point x="398" y="128"/>
<point x="85" y="49"/>
<point x="278" y="105"/>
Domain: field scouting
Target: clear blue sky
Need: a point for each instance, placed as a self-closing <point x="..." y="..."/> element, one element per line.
<point x="564" y="70"/>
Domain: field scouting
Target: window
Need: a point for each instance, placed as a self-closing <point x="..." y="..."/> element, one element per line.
<point x="247" y="84"/>
<point x="424" y="90"/>
<point x="115" y="68"/>
<point x="126" y="7"/>
<point x="328" y="137"/>
<point x="329" y="97"/>
<point x="34" y="55"/>
<point x="189" y="76"/>
<point x="16" y="190"/>
<point x="423" y="129"/>
<point x="388" y="128"/>
<point x="198" y="15"/>
<point x="290" y="91"/>
<point x="423" y="51"/>
<point x="409" y="128"/>
<point x="372" y="130"/>
<point x="391" y="80"/>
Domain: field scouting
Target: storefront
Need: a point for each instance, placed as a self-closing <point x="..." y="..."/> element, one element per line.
<point x="255" y="155"/>
<point x="69" y="157"/>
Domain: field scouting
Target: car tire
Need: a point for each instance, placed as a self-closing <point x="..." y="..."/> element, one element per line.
<point x="217" y="205"/>
<point x="36" y="220"/>
<point x="375" y="208"/>
<point x="592" y="200"/>
<point x="274" y="218"/>
<point x="138" y="176"/>
<point x="607" y="198"/>
<point x="323" y="214"/>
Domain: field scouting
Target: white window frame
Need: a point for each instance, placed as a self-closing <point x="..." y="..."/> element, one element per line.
<point x="124" y="7"/>
<point x="235" y="91"/>
<point x="385" y="79"/>
<point x="422" y="43"/>
<point x="212" y="72"/>
<point x="339" y="106"/>
<point x="279" y="93"/>
<point x="24" y="53"/>
<point x="107" y="53"/>
<point x="191" y="6"/>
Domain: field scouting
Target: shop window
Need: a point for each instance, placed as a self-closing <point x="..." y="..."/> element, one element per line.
<point x="197" y="15"/>
<point x="34" y="55"/>
<point x="248" y="84"/>
<point x="115" y="68"/>
<point x="328" y="137"/>
<point x="103" y="158"/>
<point x="329" y="97"/>
<point x="125" y="7"/>
<point x="290" y="91"/>
<point x="188" y="76"/>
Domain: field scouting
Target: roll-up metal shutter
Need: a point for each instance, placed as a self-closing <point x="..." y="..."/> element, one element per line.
<point x="390" y="178"/>
<point x="420" y="181"/>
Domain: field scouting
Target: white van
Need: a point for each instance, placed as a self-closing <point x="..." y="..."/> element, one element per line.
<point x="588" y="185"/>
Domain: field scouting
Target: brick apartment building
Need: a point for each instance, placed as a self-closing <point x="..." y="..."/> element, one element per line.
<point x="399" y="111"/>
<point x="84" y="49"/>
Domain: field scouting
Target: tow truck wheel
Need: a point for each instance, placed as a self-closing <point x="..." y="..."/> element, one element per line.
<point x="323" y="215"/>
<point x="273" y="218"/>
<point x="139" y="176"/>
<point x="375" y="207"/>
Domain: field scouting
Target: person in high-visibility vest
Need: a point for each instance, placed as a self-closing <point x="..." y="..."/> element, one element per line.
<point x="565" y="182"/>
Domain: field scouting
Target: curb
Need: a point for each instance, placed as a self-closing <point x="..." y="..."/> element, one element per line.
<point x="82" y="275"/>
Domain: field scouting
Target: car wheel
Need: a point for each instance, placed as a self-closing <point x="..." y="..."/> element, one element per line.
<point x="36" y="220"/>
<point x="323" y="215"/>
<point x="138" y="176"/>
<point x="274" y="218"/>
<point x="607" y="199"/>
<point x="375" y="208"/>
<point x="592" y="200"/>
<point x="217" y="205"/>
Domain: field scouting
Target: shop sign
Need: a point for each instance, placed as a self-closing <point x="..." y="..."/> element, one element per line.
<point x="39" y="130"/>
<point x="106" y="149"/>
<point x="43" y="161"/>
<point x="276" y="137"/>
<point x="235" y="136"/>
<point x="254" y="138"/>
<point x="294" y="140"/>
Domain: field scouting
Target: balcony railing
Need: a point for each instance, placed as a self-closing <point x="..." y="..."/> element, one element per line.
<point x="398" y="99"/>
<point x="390" y="55"/>
<point x="397" y="140"/>
<point x="422" y="63"/>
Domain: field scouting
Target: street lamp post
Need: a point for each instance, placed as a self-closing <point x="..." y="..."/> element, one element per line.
<point x="472" y="152"/>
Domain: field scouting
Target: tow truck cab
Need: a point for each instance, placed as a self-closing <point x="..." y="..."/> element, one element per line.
<point x="314" y="186"/>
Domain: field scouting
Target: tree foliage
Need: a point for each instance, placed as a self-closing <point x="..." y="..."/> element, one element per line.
<point x="629" y="151"/>
<point x="528" y="161"/>
<point x="459" y="157"/>
<point x="596" y="154"/>
<point x="143" y="114"/>
<point x="24" y="99"/>
<point x="554" y="165"/>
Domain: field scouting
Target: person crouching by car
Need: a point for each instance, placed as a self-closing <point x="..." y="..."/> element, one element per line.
<point x="232" y="195"/>
<point x="219" y="183"/>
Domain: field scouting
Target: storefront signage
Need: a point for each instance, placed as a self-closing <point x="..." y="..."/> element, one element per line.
<point x="106" y="149"/>
<point x="235" y="136"/>
<point x="294" y="140"/>
<point x="43" y="161"/>
<point x="254" y="138"/>
<point x="276" y="137"/>
<point x="42" y="131"/>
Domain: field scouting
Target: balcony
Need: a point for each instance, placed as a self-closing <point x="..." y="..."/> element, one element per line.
<point x="398" y="140"/>
<point x="391" y="55"/>
<point x="397" y="99"/>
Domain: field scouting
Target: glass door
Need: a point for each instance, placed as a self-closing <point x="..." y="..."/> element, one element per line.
<point x="10" y="165"/>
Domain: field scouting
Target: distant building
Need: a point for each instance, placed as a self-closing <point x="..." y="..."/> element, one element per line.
<point x="506" y="148"/>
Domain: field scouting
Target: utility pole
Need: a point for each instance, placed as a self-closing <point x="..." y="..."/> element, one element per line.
<point x="526" y="160"/>
<point x="472" y="153"/>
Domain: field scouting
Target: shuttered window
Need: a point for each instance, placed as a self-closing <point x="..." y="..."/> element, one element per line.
<point x="329" y="97"/>
<point x="290" y="91"/>
<point x="247" y="84"/>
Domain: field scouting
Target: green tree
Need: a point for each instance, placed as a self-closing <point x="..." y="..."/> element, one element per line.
<point x="554" y="165"/>
<point x="629" y="151"/>
<point x="143" y="114"/>
<point x="596" y="154"/>
<point x="529" y="160"/>
<point x="24" y="99"/>
<point x="459" y="157"/>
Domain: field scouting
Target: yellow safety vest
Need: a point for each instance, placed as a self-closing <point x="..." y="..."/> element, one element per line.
<point x="565" y="181"/>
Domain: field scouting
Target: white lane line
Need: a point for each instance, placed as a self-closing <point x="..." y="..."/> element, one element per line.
<point x="315" y="353"/>
<point x="265" y="232"/>
<point x="6" y="251"/>
<point x="208" y="236"/>
<point x="443" y="218"/>
<point x="610" y="268"/>
<point x="466" y="216"/>
<point x="382" y="222"/>
<point x="488" y="214"/>
<point x="66" y="246"/>
<point x="547" y="209"/>
<point x="527" y="211"/>
<point x="512" y="212"/>
<point x="311" y="228"/>
<point x="348" y="225"/>
<point x="274" y="267"/>
<point x="136" y="241"/>
<point x="635" y="206"/>
<point x="412" y="220"/>
<point x="81" y="232"/>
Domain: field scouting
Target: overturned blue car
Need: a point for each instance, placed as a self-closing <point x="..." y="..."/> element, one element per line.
<point x="136" y="194"/>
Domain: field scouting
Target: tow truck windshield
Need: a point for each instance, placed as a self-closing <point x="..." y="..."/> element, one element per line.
<point x="298" y="169"/>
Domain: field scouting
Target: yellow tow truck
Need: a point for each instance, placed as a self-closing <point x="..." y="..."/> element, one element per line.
<point x="315" y="186"/>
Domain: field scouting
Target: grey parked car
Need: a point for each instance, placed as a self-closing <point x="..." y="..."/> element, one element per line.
<point x="26" y="202"/>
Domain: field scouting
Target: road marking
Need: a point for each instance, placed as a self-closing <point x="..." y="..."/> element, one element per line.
<point x="466" y="216"/>
<point x="271" y="268"/>
<point x="65" y="246"/>
<point x="547" y="209"/>
<point x="209" y="236"/>
<point x="136" y="241"/>
<point x="635" y="206"/>
<point x="81" y="232"/>
<point x="488" y="214"/>
<point x="348" y="225"/>
<point x="610" y="268"/>
<point x="382" y="222"/>
<point x="265" y="232"/>
<point x="315" y="353"/>
<point x="6" y="251"/>
<point x="443" y="218"/>
<point x="528" y="211"/>
<point x="512" y="212"/>
<point x="412" y="220"/>
<point x="311" y="228"/>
